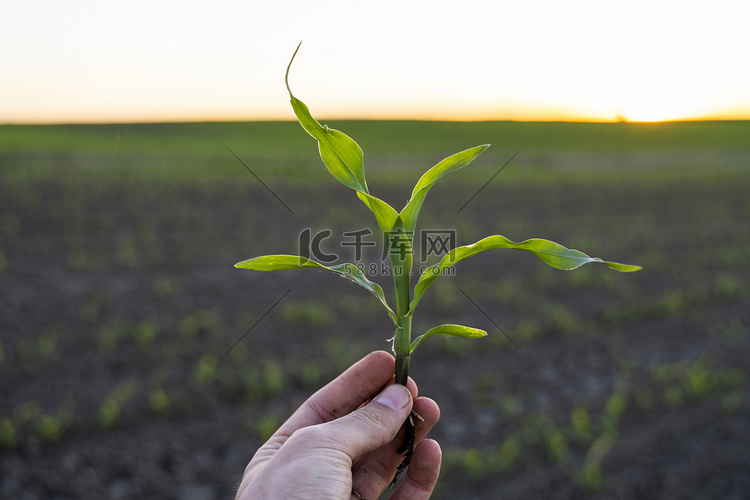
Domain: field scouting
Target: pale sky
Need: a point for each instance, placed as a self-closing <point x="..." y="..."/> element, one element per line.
<point x="157" y="60"/>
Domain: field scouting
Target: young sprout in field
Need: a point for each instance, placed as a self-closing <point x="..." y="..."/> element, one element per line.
<point x="344" y="159"/>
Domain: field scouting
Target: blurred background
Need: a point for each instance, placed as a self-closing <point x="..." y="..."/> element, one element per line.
<point x="145" y="149"/>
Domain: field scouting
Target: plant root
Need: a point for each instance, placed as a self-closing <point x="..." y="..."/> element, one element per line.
<point x="407" y="446"/>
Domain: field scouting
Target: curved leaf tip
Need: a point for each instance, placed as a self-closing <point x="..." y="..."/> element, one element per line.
<point x="286" y="78"/>
<point x="341" y="155"/>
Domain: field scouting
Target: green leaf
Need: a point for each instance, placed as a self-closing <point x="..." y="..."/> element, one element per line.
<point x="450" y="330"/>
<point x="341" y="155"/>
<point x="276" y="263"/>
<point x="455" y="162"/>
<point x="347" y="270"/>
<point x="553" y="254"/>
<point x="384" y="213"/>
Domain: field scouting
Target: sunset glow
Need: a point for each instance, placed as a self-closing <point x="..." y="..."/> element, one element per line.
<point x="86" y="61"/>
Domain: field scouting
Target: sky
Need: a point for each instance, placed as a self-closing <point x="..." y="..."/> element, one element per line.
<point x="157" y="60"/>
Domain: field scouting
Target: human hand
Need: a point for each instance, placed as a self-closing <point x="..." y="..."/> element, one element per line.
<point x="343" y="440"/>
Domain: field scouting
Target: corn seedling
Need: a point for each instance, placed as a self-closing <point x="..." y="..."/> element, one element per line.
<point x="3" y="261"/>
<point x="50" y="429"/>
<point x="266" y="426"/>
<point x="344" y="160"/>
<point x="205" y="369"/>
<point x="164" y="288"/>
<point x="46" y="344"/>
<point x="111" y="408"/>
<point x="580" y="421"/>
<point x="158" y="402"/>
<point x="202" y="321"/>
<point x="146" y="332"/>
<point x="8" y="434"/>
<point x="111" y="335"/>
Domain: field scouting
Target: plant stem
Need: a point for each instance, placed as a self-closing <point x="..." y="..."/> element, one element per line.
<point x="401" y="348"/>
<point x="401" y="266"/>
<point x="398" y="245"/>
<point x="402" y="341"/>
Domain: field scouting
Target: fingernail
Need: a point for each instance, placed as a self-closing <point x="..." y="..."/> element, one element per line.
<point x="395" y="397"/>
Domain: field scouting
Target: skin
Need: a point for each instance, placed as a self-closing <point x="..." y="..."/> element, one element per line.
<point x="343" y="439"/>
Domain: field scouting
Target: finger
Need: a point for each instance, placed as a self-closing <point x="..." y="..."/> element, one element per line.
<point x="422" y="474"/>
<point x="337" y="443"/>
<point x="346" y="393"/>
<point x="374" y="425"/>
<point x="355" y="434"/>
<point x="412" y="386"/>
<point x="339" y="397"/>
<point x="373" y="472"/>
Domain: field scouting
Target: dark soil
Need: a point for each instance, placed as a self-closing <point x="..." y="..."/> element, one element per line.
<point x="123" y="295"/>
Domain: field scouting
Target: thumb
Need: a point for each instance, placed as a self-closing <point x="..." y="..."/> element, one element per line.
<point x="375" y="424"/>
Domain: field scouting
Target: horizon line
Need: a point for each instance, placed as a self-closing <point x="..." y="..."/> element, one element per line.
<point x="198" y="120"/>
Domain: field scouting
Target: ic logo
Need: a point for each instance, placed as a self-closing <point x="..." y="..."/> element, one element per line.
<point x="309" y="246"/>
